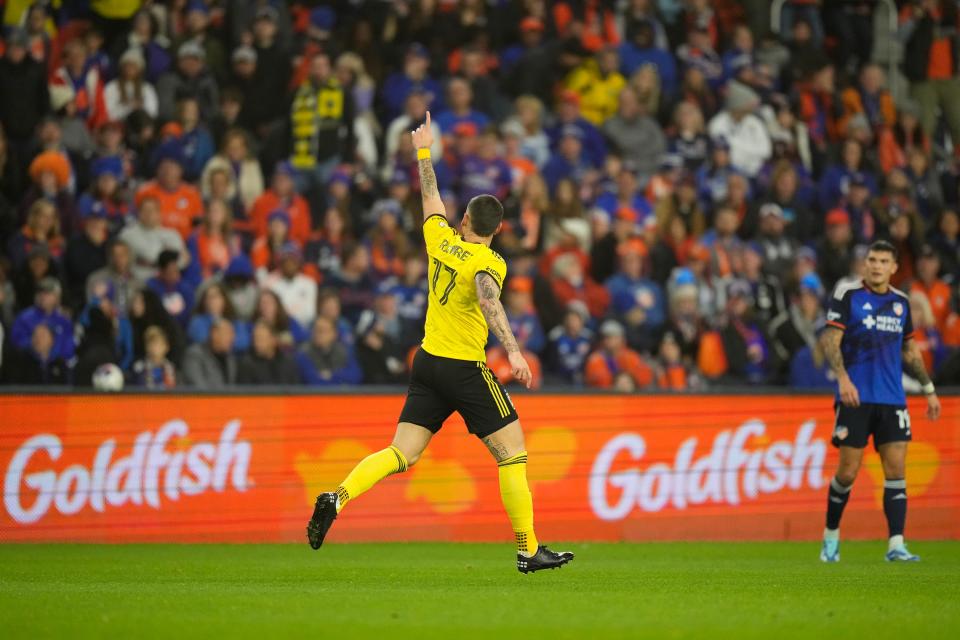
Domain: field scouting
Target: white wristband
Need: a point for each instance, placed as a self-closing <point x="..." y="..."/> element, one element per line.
<point x="928" y="389"/>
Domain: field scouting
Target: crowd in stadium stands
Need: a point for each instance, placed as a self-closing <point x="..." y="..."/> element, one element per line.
<point x="220" y="192"/>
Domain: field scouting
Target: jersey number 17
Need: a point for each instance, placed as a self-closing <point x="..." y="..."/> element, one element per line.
<point x="438" y="267"/>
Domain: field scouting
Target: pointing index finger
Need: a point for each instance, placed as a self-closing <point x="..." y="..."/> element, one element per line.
<point x="428" y="118"/>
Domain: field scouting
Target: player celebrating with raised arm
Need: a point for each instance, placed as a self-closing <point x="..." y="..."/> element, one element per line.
<point x="449" y="372"/>
<point x="867" y="342"/>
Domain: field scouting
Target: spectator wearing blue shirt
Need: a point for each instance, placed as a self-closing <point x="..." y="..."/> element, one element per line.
<point x="46" y="310"/>
<point x="174" y="292"/>
<point x="326" y="360"/>
<point x="460" y="102"/>
<point x="485" y="172"/>
<point x="569" y="162"/>
<point x="570" y="344"/>
<point x="569" y="117"/>
<point x="641" y="50"/>
<point x="413" y="77"/>
<point x="411" y="291"/>
<point x="627" y="195"/>
<point x="213" y="305"/>
<point x="836" y="180"/>
<point x="522" y="315"/>
<point x="637" y="300"/>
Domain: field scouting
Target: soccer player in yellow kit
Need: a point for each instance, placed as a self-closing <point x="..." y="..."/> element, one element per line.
<point x="449" y="370"/>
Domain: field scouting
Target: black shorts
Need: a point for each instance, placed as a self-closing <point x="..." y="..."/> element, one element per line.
<point x="440" y="386"/>
<point x="885" y="422"/>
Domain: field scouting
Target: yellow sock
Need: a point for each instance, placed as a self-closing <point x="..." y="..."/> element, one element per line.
<point x="518" y="502"/>
<point x="368" y="472"/>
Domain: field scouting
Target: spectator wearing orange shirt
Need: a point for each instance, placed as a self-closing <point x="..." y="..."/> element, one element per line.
<point x="614" y="365"/>
<point x="282" y="196"/>
<point x="571" y="282"/>
<point x="869" y="97"/>
<point x="928" y="282"/>
<point x="180" y="202"/>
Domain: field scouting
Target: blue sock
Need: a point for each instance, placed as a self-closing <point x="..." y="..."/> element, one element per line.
<point x="836" y="500"/>
<point x="895" y="505"/>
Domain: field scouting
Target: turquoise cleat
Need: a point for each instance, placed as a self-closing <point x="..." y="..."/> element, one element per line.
<point x="830" y="551"/>
<point x="900" y="554"/>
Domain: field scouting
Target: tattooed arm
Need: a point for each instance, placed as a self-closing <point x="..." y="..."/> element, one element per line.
<point x="830" y="341"/>
<point x="429" y="191"/>
<point x="913" y="363"/>
<point x="488" y="295"/>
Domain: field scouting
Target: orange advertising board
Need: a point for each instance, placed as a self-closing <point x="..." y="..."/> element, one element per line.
<point x="246" y="469"/>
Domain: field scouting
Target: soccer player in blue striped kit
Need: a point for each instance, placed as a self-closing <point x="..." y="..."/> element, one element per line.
<point x="868" y="343"/>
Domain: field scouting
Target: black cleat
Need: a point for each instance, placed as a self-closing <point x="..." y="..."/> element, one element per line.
<point x="324" y="513"/>
<point x="543" y="559"/>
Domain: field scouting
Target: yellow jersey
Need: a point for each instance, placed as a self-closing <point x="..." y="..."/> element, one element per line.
<point x="455" y="326"/>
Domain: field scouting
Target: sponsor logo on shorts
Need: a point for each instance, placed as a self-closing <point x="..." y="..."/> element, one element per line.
<point x="841" y="432"/>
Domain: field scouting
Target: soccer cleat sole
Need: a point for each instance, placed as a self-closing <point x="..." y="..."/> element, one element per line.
<point x="321" y="520"/>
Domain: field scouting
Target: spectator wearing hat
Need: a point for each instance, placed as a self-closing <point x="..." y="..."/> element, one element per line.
<point x="147" y="238"/>
<point x="80" y="85"/>
<point x="249" y="88"/>
<point x="213" y="305"/>
<point x="766" y="288"/>
<point x="325" y="360"/>
<point x="266" y="248"/>
<point x="282" y="196"/>
<point x="106" y="197"/>
<point x="86" y="253"/>
<point x="413" y="77"/>
<point x="297" y="291"/>
<point x="713" y="176"/>
<point x="240" y="285"/>
<point x="930" y="61"/>
<point x="272" y="74"/>
<point x="25" y="78"/>
<point x="51" y="178"/>
<point x="779" y="249"/>
<point x="42" y="228"/>
<point x="636" y="135"/>
<point x="322" y="128"/>
<point x="569" y="122"/>
<point x="835" y="249"/>
<point x="530" y="67"/>
<point x="745" y="348"/>
<point x="175" y="293"/>
<point x="386" y="241"/>
<point x="381" y="342"/>
<point x="799" y="325"/>
<point x="212" y="364"/>
<point x="569" y="345"/>
<point x="750" y="145"/>
<point x="130" y="91"/>
<point x="45" y="310"/>
<point x="180" y="203"/>
<point x="196" y="29"/>
<point x="192" y="78"/>
<point x="570" y="161"/>
<point x="613" y="365"/>
<point x="641" y="50"/>
<point x="115" y="280"/>
<point x="698" y="52"/>
<point x="929" y="283"/>
<point x="636" y="300"/>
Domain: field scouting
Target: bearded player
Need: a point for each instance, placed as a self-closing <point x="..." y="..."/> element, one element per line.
<point x="868" y="343"/>
<point x="449" y="372"/>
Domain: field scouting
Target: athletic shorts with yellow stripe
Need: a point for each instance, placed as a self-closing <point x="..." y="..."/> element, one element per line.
<point x="439" y="386"/>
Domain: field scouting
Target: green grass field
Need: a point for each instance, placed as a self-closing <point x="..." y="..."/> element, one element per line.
<point x="457" y="591"/>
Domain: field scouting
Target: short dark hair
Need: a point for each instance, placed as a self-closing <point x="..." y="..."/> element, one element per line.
<point x="166" y="257"/>
<point x="884" y="247"/>
<point x="486" y="212"/>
